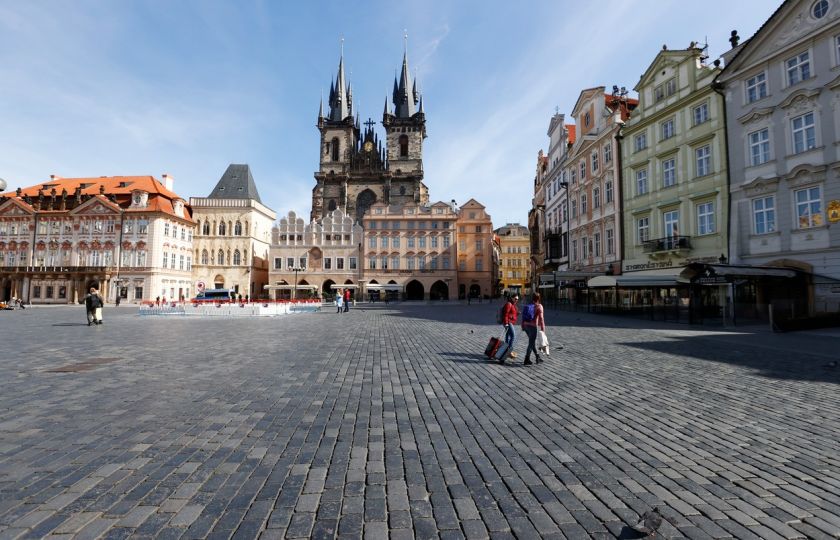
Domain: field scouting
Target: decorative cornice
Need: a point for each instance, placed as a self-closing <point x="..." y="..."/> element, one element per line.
<point x="755" y="114"/>
<point x="806" y="94"/>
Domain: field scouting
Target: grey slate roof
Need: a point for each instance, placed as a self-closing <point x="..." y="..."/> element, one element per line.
<point x="236" y="183"/>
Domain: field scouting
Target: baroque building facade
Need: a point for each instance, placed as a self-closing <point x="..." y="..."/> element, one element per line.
<point x="782" y="93"/>
<point x="233" y="235"/>
<point x="514" y="271"/>
<point x="129" y="236"/>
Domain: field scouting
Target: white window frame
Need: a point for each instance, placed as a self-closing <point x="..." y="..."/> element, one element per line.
<point x="806" y="143"/>
<point x="758" y="143"/>
<point x="608" y="146"/>
<point x="703" y="160"/>
<point x="596" y="198"/>
<point x="798" y="68"/>
<point x="671" y="222"/>
<point x="608" y="192"/>
<point x="595" y="161"/>
<point x="669" y="172"/>
<point x="643" y="230"/>
<point x="755" y="87"/>
<point x="812" y="213"/>
<point x="700" y="113"/>
<point x="640" y="141"/>
<point x="641" y="182"/>
<point x="767" y="212"/>
<point x="597" y="244"/>
<point x="706" y="218"/>
<point x="582" y="204"/>
<point x="667" y="129"/>
<point x="610" y="242"/>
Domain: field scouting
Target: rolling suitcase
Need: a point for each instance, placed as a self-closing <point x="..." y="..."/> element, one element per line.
<point x="501" y="352"/>
<point x="492" y="347"/>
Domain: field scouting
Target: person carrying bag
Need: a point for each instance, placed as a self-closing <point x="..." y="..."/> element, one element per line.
<point x="533" y="320"/>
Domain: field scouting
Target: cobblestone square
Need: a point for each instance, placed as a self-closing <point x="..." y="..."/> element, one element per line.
<point x="388" y="422"/>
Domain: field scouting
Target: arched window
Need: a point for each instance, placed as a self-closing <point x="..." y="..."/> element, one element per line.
<point x="334" y="147"/>
<point x="237" y="229"/>
<point x="206" y="229"/>
<point x="403" y="145"/>
<point x="230" y="227"/>
<point x="221" y="260"/>
<point x="237" y="258"/>
<point x="204" y="257"/>
<point x="222" y="228"/>
<point x="331" y="205"/>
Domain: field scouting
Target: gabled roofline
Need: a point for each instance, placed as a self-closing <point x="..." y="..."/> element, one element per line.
<point x="732" y="65"/>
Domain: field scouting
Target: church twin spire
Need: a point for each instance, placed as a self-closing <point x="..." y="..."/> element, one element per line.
<point x="405" y="96"/>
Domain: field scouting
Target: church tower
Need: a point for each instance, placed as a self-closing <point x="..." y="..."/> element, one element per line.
<point x="356" y="170"/>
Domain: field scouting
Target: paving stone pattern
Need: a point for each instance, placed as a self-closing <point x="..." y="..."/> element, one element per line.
<point x="387" y="422"/>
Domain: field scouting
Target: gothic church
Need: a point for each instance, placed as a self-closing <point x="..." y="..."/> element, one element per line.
<point x="355" y="170"/>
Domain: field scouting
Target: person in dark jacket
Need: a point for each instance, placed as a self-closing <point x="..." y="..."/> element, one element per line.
<point x="93" y="306"/>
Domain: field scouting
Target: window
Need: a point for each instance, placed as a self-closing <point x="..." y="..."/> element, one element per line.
<point x="395" y="242"/>
<point x="608" y="153"/>
<point x="221" y="228"/>
<point x="181" y="261"/>
<point x="333" y="146"/>
<point x="608" y="192"/>
<point x="353" y="263"/>
<point x="421" y="242"/>
<point x="303" y="262"/>
<point x="610" y="241"/>
<point x="582" y="204"/>
<point x="462" y="245"/>
<point x="641" y="182"/>
<point x="672" y="223"/>
<point x="756" y="87"/>
<point x="372" y="224"/>
<point x="421" y="262"/>
<point x="339" y="263"/>
<point x="798" y="68"/>
<point x="804" y="134"/>
<point x="582" y="171"/>
<point x="809" y="207"/>
<point x="384" y="262"/>
<point x="479" y="265"/>
<point x="372" y="263"/>
<point x="478" y="228"/>
<point x="205" y="259"/>
<point x="446" y="241"/>
<point x="395" y="225"/>
<point x="669" y="172"/>
<point x="666" y="89"/>
<point x="667" y="128"/>
<point x="409" y="263"/>
<point x="643" y="229"/>
<point x="574" y="209"/>
<point x="596" y="198"/>
<point x="445" y="262"/>
<point x="205" y="230"/>
<point x="383" y="242"/>
<point x="703" y="160"/>
<point x="819" y="9"/>
<point x="640" y="141"/>
<point x="172" y="262"/>
<point x="372" y="242"/>
<point x="141" y="259"/>
<point x="278" y="261"/>
<point x="290" y="262"/>
<point x="764" y="215"/>
<point x="701" y="113"/>
<point x="759" y="146"/>
<point x="573" y="174"/>
<point x="165" y="259"/>
<point x="434" y="241"/>
<point x="403" y="145"/>
<point x="594" y="162"/>
<point x="166" y="229"/>
<point x="237" y="229"/>
<point x="574" y="250"/>
<point x="143" y="226"/>
<point x="706" y="218"/>
<point x="478" y="246"/>
<point x="174" y="231"/>
<point x="597" y="246"/>
<point x="327" y="263"/>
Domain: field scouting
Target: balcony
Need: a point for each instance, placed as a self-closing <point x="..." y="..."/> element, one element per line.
<point x="57" y="269"/>
<point x="667" y="244"/>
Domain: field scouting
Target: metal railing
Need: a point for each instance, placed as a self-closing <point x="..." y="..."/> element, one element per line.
<point x="669" y="243"/>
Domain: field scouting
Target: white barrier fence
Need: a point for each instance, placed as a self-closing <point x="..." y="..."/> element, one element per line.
<point x="253" y="309"/>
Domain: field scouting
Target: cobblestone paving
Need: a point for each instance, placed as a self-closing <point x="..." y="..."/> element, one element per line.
<point x="387" y="422"/>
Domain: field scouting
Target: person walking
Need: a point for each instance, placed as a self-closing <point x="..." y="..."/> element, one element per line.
<point x="93" y="306"/>
<point x="509" y="316"/>
<point x="339" y="297"/>
<point x="533" y="320"/>
<point x="346" y="300"/>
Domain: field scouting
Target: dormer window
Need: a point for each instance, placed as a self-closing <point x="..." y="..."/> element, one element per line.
<point x="139" y="199"/>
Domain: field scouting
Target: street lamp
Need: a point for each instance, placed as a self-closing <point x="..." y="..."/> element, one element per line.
<point x="296" y="269"/>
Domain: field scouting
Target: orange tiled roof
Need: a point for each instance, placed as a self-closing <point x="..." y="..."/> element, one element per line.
<point x="572" y="129"/>
<point x="160" y="198"/>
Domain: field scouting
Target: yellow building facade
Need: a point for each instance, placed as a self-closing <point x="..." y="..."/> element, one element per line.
<point x="514" y="271"/>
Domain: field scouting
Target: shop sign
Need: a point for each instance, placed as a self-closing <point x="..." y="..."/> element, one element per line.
<point x="650" y="265"/>
<point x="709" y="277"/>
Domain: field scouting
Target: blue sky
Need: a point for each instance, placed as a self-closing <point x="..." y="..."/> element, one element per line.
<point x="93" y="88"/>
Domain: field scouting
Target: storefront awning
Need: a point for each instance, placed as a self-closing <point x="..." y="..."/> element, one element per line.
<point x="649" y="280"/>
<point x="338" y="286"/>
<point x="289" y="287"/>
<point x="699" y="271"/>
<point x="387" y="287"/>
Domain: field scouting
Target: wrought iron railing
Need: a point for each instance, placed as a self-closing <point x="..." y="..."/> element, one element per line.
<point x="669" y="243"/>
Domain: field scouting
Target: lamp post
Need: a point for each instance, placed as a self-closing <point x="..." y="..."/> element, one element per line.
<point x="296" y="269"/>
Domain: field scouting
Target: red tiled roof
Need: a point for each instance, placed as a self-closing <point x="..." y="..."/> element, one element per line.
<point x="572" y="129"/>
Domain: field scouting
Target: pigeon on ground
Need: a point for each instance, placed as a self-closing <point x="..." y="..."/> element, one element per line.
<point x="650" y="522"/>
<point x="832" y="364"/>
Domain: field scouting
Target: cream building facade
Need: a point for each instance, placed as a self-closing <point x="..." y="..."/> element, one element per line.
<point x="476" y="273"/>
<point x="129" y="236"/>
<point x="233" y="236"/>
<point x="314" y="259"/>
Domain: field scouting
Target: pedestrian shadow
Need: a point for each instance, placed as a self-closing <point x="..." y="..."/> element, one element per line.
<point x="475" y="358"/>
<point x="628" y="533"/>
<point x="70" y="324"/>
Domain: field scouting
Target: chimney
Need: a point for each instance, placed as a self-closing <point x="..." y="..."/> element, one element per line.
<point x="54" y="177"/>
<point x="168" y="181"/>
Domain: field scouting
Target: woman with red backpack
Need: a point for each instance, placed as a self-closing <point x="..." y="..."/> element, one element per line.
<point x="533" y="320"/>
